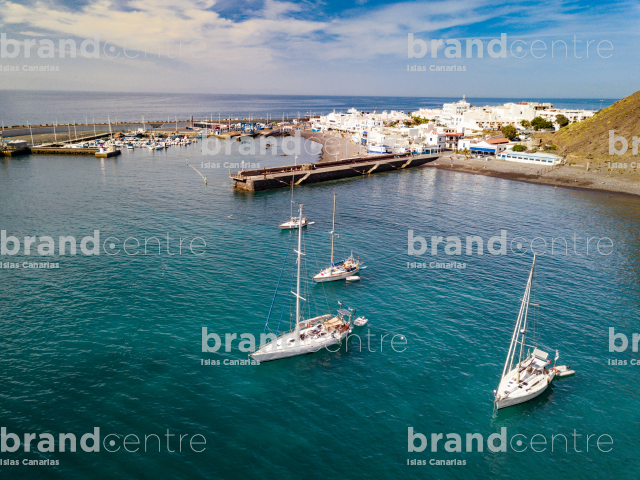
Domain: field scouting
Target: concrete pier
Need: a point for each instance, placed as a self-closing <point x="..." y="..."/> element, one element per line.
<point x="59" y="151"/>
<point x="63" y="151"/>
<point x="108" y="154"/>
<point x="281" y="177"/>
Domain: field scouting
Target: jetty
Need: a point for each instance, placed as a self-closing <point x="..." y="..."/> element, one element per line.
<point x="281" y="177"/>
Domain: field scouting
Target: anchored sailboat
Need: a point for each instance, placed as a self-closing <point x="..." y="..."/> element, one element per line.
<point x="308" y="335"/>
<point x="340" y="270"/>
<point x="293" y="222"/>
<point x="529" y="377"/>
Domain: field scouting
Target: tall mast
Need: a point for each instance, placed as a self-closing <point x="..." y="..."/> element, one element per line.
<point x="524" y="307"/>
<point x="299" y="268"/>
<point x="291" y="198"/>
<point x="528" y="297"/>
<point x="333" y="227"/>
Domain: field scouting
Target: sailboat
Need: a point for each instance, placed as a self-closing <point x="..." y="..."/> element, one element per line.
<point x="294" y="222"/>
<point x="337" y="271"/>
<point x="308" y="335"/>
<point x="529" y="377"/>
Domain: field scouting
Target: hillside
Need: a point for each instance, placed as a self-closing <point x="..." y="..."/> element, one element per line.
<point x="590" y="138"/>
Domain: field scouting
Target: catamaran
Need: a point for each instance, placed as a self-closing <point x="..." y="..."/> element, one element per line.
<point x="308" y="335"/>
<point x="337" y="271"/>
<point x="529" y="377"/>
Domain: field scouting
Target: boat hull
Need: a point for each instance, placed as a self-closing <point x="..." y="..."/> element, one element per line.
<point x="338" y="276"/>
<point x="511" y="400"/>
<point x="292" y="225"/>
<point x="272" y="352"/>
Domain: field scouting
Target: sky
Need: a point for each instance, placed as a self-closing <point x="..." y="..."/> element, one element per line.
<point x="363" y="47"/>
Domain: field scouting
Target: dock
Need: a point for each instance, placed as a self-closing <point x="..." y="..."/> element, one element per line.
<point x="62" y="151"/>
<point x="281" y="177"/>
<point x="95" y="152"/>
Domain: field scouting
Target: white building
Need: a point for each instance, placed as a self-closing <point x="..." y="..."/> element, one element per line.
<point x="462" y="114"/>
<point x="355" y="121"/>
<point x="537" y="158"/>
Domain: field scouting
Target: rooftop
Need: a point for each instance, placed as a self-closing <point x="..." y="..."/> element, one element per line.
<point x="497" y="141"/>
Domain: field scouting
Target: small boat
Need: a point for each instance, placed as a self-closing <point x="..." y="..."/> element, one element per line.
<point x="294" y="222"/>
<point x="360" y="322"/>
<point x="528" y="377"/>
<point x="563" y="371"/>
<point x="353" y="278"/>
<point x="130" y="146"/>
<point x="340" y="270"/>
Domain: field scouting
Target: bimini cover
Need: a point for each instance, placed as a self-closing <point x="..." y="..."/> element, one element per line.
<point x="540" y="354"/>
<point x="344" y="312"/>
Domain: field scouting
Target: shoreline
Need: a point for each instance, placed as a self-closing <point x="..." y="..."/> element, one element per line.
<point x="561" y="176"/>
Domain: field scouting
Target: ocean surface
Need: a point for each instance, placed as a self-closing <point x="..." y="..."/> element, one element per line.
<point x="114" y="341"/>
<point x="39" y="107"/>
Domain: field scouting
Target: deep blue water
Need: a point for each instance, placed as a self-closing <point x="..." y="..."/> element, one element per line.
<point x="37" y="107"/>
<point x="114" y="341"/>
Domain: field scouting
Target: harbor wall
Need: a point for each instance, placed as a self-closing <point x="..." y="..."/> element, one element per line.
<point x="313" y="173"/>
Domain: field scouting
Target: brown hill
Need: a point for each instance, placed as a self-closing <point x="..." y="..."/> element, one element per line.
<point x="590" y="138"/>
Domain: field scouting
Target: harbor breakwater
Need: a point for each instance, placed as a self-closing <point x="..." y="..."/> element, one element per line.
<point x="280" y="177"/>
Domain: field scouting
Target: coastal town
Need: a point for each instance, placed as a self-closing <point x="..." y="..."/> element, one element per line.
<point x="515" y="140"/>
<point x="459" y="127"/>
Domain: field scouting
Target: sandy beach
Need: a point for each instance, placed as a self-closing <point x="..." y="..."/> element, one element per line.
<point x="575" y="175"/>
<point x="334" y="146"/>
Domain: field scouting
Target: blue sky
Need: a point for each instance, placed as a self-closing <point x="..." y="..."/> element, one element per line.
<point x="325" y="47"/>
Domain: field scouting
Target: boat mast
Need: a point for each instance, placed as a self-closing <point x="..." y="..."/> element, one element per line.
<point x="333" y="227"/>
<point x="524" y="306"/>
<point x="299" y="252"/>
<point x="291" y="198"/>
<point x="528" y="297"/>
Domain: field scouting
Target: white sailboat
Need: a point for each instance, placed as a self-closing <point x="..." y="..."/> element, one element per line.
<point x="308" y="335"/>
<point x="337" y="271"/>
<point x="294" y="222"/>
<point x="529" y="377"/>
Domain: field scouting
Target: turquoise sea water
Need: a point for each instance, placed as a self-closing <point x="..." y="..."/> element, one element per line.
<point x="36" y="107"/>
<point x="114" y="341"/>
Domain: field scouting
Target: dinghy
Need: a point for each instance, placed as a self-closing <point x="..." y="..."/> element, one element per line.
<point x="360" y="322"/>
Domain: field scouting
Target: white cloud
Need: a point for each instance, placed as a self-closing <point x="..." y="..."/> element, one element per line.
<point x="277" y="41"/>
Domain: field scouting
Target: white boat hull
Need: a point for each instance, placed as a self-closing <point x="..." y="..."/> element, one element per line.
<point x="338" y="275"/>
<point x="521" y="394"/>
<point x="280" y="348"/>
<point x="292" y="224"/>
